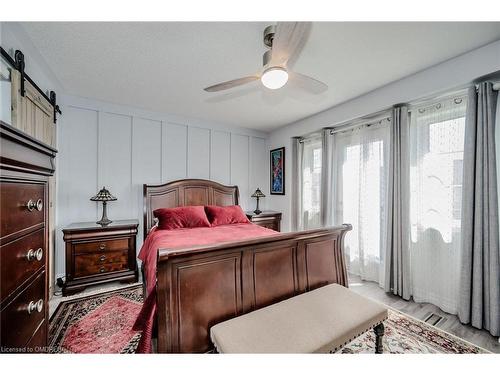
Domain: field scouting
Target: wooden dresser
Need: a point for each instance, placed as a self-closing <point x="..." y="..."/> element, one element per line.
<point x="26" y="164"/>
<point x="96" y="254"/>
<point x="266" y="219"/>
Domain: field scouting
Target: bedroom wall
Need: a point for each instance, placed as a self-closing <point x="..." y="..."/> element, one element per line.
<point x="448" y="75"/>
<point x="123" y="147"/>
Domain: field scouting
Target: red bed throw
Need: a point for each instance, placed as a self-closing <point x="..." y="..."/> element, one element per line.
<point x="178" y="239"/>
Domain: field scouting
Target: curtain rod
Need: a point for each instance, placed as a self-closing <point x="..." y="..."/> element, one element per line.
<point x="310" y="137"/>
<point x="496" y="85"/>
<point x="363" y="119"/>
<point x="367" y="121"/>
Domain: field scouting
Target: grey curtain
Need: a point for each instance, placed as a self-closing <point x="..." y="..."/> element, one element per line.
<point x="327" y="165"/>
<point x="397" y="257"/>
<point x="480" y="277"/>
<point x="297" y="184"/>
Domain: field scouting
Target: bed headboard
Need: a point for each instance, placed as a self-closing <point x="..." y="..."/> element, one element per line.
<point x="188" y="192"/>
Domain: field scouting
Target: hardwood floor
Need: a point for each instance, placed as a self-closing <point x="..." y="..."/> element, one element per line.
<point x="422" y="311"/>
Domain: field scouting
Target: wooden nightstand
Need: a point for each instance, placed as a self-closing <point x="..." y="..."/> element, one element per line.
<point x="97" y="254"/>
<point x="267" y="219"/>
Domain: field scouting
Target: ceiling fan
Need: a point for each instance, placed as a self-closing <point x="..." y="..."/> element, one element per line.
<point x="284" y="42"/>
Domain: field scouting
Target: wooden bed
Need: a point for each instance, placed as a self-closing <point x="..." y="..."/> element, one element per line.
<point x="202" y="286"/>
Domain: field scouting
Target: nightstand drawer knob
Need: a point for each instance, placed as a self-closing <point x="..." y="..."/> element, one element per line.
<point x="102" y="246"/>
<point x="102" y="258"/>
<point x="102" y="269"/>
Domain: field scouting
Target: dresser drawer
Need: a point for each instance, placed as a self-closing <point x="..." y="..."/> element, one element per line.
<point x="20" y="259"/>
<point x="38" y="343"/>
<point x="14" y="200"/>
<point x="21" y="317"/>
<point x="100" y="246"/>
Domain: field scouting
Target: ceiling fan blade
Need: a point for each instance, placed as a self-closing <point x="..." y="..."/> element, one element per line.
<point x="288" y="41"/>
<point x="230" y="84"/>
<point x="235" y="94"/>
<point x="307" y="83"/>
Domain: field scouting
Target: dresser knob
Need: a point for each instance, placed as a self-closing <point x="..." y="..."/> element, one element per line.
<point x="102" y="258"/>
<point x="35" y="306"/>
<point x="102" y="246"/>
<point x="35" y="255"/>
<point x="101" y="270"/>
<point x="38" y="205"/>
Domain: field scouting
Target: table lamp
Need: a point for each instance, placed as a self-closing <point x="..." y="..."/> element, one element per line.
<point x="258" y="194"/>
<point x="103" y="196"/>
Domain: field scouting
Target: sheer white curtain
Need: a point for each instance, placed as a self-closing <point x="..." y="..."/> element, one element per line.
<point x="497" y="144"/>
<point x="310" y="155"/>
<point x="361" y="171"/>
<point x="436" y="157"/>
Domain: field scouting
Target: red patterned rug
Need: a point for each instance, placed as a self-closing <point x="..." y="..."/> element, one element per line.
<point x="406" y="335"/>
<point x="103" y="323"/>
<point x="99" y="323"/>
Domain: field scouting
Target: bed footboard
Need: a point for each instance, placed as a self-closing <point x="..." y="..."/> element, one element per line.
<point x="200" y="287"/>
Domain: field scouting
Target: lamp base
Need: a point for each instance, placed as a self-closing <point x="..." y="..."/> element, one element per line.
<point x="104" y="220"/>
<point x="257" y="210"/>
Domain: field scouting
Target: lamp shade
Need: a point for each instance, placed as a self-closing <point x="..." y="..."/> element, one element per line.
<point x="258" y="194"/>
<point x="103" y="196"/>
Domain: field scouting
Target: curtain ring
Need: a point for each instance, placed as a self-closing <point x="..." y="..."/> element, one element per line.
<point x="458" y="100"/>
<point x="438" y="105"/>
<point x="421" y="110"/>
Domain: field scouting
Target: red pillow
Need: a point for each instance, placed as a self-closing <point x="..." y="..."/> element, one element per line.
<point x="221" y="215"/>
<point x="181" y="217"/>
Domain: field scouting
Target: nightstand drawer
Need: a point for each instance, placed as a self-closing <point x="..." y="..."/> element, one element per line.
<point x="91" y="270"/>
<point x="270" y="224"/>
<point x="100" y="246"/>
<point x="90" y="264"/>
<point x="266" y="219"/>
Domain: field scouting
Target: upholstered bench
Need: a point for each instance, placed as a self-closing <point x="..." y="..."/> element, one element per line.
<point x="319" y="321"/>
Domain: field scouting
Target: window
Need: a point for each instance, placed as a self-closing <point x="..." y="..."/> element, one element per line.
<point x="436" y="153"/>
<point x="361" y="187"/>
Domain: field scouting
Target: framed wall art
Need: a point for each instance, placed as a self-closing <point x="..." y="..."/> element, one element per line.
<point x="278" y="171"/>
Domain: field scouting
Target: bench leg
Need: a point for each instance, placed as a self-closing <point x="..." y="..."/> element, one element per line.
<point x="379" y="334"/>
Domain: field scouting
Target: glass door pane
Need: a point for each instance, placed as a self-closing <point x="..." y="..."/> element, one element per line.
<point x="437" y="142"/>
<point x="361" y="189"/>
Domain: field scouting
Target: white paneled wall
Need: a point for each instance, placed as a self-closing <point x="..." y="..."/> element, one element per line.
<point x="198" y="153"/>
<point x="123" y="150"/>
<point x="220" y="157"/>
<point x="240" y="166"/>
<point x="174" y="147"/>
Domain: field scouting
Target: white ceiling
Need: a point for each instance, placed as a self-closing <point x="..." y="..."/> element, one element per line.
<point x="164" y="66"/>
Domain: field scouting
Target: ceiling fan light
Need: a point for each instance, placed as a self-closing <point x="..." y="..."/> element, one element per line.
<point x="274" y="78"/>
